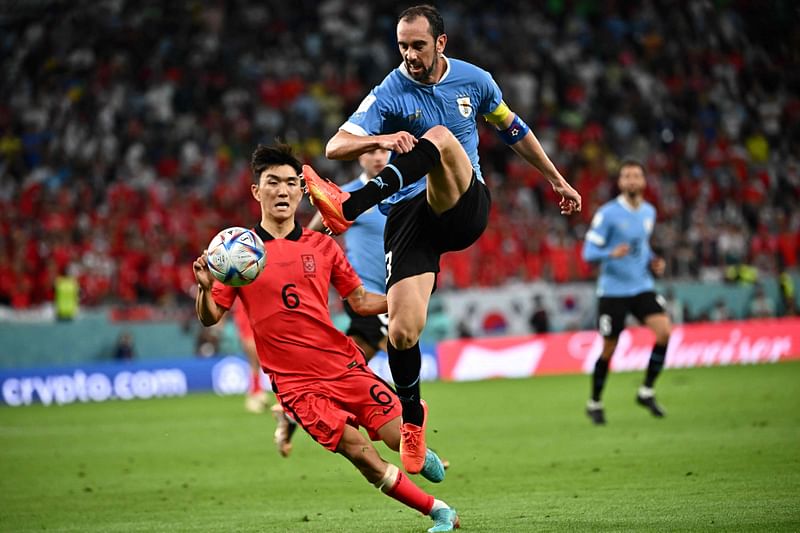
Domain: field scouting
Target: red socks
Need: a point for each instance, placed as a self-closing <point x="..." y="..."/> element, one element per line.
<point x="255" y="382"/>
<point x="405" y="491"/>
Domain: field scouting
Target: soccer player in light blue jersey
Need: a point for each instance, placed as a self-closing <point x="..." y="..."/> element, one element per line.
<point x="426" y="112"/>
<point x="364" y="247"/>
<point x="619" y="240"/>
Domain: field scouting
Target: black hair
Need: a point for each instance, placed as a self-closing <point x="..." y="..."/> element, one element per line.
<point x="435" y="20"/>
<point x="632" y="162"/>
<point x="265" y="157"/>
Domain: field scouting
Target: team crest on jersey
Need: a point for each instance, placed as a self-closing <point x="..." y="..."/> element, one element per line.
<point x="464" y="106"/>
<point x="309" y="266"/>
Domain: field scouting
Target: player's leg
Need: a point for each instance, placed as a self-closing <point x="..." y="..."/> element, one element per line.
<point x="451" y="178"/>
<point x="650" y="310"/>
<point x="256" y="400"/>
<point x="438" y="154"/>
<point x="377" y="409"/>
<point x="339" y="208"/>
<point x="610" y="321"/>
<point x="408" y="308"/>
<point x="285" y="427"/>
<point x="391" y="481"/>
<point x="434" y="468"/>
<point x="368" y="332"/>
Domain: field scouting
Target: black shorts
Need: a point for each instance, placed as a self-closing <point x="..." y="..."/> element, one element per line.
<point x="611" y="312"/>
<point x="415" y="237"/>
<point x="373" y="329"/>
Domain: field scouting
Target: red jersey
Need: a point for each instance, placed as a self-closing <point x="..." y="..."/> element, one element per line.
<point x="288" y="308"/>
<point x="242" y="322"/>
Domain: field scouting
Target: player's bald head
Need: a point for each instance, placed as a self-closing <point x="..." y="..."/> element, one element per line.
<point x="435" y="21"/>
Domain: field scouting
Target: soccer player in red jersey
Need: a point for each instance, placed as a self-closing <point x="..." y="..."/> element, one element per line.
<point x="318" y="374"/>
<point x="256" y="399"/>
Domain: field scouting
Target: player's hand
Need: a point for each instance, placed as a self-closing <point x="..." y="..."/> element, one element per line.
<point x="400" y="143"/>
<point x="621" y="250"/>
<point x="658" y="266"/>
<point x="570" y="199"/>
<point x="201" y="272"/>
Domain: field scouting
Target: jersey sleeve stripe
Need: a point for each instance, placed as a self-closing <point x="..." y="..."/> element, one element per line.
<point x="355" y="129"/>
<point x="595" y="238"/>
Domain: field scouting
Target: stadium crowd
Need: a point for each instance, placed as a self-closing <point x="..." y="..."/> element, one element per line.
<point x="125" y="129"/>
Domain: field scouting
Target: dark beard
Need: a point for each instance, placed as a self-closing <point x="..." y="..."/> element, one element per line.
<point x="632" y="195"/>
<point x="427" y="73"/>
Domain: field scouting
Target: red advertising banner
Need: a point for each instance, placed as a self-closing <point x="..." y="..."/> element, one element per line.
<point x="691" y="345"/>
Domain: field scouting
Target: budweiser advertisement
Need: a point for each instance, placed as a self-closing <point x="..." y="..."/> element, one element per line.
<point x="691" y="345"/>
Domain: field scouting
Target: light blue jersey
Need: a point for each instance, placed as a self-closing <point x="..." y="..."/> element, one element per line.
<point x="615" y="223"/>
<point x="364" y="243"/>
<point x="400" y="103"/>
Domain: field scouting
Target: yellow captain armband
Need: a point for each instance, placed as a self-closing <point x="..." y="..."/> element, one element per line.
<point x="499" y="115"/>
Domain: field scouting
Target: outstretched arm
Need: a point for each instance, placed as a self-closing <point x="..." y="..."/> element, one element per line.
<point x="206" y="308"/>
<point x="346" y="146"/>
<point x="366" y="303"/>
<point x="529" y="148"/>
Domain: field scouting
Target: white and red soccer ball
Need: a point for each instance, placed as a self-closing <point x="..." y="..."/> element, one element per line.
<point x="236" y="256"/>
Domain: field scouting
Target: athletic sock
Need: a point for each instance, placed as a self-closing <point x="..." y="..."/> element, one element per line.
<point x="398" y="486"/>
<point x="255" y="382"/>
<point x="438" y="504"/>
<point x="405" y="366"/>
<point x="404" y="170"/>
<point x="655" y="365"/>
<point x="599" y="378"/>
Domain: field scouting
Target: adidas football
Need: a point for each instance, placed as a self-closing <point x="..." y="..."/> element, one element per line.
<point x="236" y="256"/>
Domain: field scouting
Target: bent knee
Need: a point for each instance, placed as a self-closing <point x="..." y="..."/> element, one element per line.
<point x="440" y="136"/>
<point x="404" y="336"/>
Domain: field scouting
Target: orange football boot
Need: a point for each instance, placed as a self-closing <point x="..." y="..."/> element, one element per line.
<point x="328" y="198"/>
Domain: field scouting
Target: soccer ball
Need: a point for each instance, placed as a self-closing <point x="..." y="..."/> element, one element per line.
<point x="236" y="256"/>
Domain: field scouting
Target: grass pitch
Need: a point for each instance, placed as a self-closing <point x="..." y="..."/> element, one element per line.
<point x="524" y="458"/>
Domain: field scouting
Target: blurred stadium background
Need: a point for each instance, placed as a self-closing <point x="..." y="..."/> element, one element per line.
<point x="126" y="127"/>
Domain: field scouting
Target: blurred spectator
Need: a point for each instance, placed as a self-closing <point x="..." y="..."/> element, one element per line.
<point x="464" y="326"/>
<point x="207" y="342"/>
<point x="66" y="297"/>
<point x="786" y="287"/>
<point x="539" y="320"/>
<point x="720" y="312"/>
<point x="124" y="349"/>
<point x="439" y="325"/>
<point x="761" y="306"/>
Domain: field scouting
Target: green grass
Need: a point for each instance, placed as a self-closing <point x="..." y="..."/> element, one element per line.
<point x="525" y="458"/>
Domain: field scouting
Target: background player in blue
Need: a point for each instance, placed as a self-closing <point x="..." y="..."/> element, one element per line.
<point x="364" y="248"/>
<point x="619" y="239"/>
<point x="425" y="111"/>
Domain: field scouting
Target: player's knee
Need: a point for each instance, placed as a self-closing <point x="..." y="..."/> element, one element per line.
<point x="404" y="336"/>
<point x="405" y="333"/>
<point x="662" y="337"/>
<point x="441" y="137"/>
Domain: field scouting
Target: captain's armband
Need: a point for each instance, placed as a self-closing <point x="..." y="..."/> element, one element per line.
<point x="515" y="132"/>
<point x="499" y="115"/>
